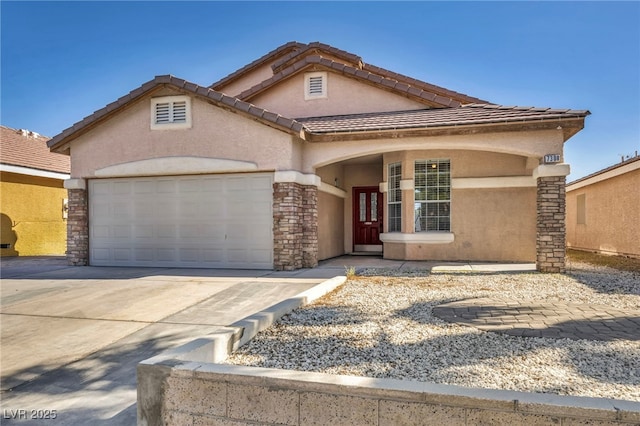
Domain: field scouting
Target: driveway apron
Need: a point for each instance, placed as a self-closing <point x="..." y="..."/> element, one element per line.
<point x="71" y="337"/>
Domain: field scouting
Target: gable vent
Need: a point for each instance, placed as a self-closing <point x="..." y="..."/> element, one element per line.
<point x="315" y="85"/>
<point x="170" y="112"/>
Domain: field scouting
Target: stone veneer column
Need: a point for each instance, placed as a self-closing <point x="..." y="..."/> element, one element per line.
<point x="287" y="228"/>
<point x="295" y="226"/>
<point x="77" y="228"/>
<point x="550" y="224"/>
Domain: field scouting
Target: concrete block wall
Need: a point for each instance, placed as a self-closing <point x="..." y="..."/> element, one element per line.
<point x="195" y="393"/>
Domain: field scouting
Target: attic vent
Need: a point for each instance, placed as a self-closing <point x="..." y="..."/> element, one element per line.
<point x="171" y="112"/>
<point x="315" y="85"/>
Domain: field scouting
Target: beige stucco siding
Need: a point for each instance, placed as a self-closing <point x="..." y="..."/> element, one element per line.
<point x="215" y="133"/>
<point x="344" y="96"/>
<point x="239" y="85"/>
<point x="330" y="226"/>
<point x="493" y="223"/>
<point x="612" y="216"/>
<point x="526" y="144"/>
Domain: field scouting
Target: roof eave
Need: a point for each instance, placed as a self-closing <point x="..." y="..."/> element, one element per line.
<point x="60" y="142"/>
<point x="569" y="126"/>
<point x="317" y="62"/>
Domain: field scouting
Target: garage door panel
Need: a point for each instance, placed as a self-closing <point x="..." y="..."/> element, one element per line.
<point x="220" y="221"/>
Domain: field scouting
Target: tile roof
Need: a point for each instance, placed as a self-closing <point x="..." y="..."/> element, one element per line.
<point x="210" y="95"/>
<point x="295" y="60"/>
<point x="27" y="149"/>
<point x="287" y="47"/>
<point x="401" y="88"/>
<point x="316" y="47"/>
<point x="429" y="118"/>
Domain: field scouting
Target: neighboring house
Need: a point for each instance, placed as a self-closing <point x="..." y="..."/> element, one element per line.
<point x="309" y="153"/>
<point x="32" y="195"/>
<point x="603" y="210"/>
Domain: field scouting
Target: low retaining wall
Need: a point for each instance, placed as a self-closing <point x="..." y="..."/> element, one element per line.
<point x="216" y="394"/>
<point x="186" y="386"/>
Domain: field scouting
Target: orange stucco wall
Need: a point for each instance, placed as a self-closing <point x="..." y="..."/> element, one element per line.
<point x="612" y="216"/>
<point x="31" y="213"/>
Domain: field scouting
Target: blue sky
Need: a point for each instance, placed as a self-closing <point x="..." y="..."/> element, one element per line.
<point x="63" y="60"/>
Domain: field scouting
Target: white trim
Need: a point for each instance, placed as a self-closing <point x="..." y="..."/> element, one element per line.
<point x="171" y="125"/>
<point x="32" y="172"/>
<point x="383" y="187"/>
<point x="493" y="182"/>
<point x="75" y="184"/>
<point x="333" y="190"/>
<point x="307" y="85"/>
<point x="176" y="166"/>
<point x="418" y="237"/>
<point x="296" y="177"/>
<point x="604" y="176"/>
<point x="407" y="184"/>
<point x="550" y="170"/>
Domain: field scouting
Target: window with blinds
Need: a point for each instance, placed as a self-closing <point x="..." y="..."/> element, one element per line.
<point x="394" y="197"/>
<point x="170" y="112"/>
<point x="315" y="85"/>
<point x="432" y="199"/>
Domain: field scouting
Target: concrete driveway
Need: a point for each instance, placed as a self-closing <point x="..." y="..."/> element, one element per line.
<point x="71" y="337"/>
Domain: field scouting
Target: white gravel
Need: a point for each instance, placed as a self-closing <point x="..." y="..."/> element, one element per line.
<point x="380" y="325"/>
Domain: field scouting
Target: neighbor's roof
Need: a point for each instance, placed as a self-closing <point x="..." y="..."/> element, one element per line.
<point x="24" y="148"/>
<point x="440" y="117"/>
<point x="600" y="173"/>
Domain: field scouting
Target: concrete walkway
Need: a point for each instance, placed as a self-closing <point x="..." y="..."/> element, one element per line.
<point x="543" y="319"/>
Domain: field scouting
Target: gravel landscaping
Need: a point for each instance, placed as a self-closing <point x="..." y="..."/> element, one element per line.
<point x="380" y="324"/>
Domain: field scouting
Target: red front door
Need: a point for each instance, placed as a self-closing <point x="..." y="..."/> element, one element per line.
<point x="367" y="219"/>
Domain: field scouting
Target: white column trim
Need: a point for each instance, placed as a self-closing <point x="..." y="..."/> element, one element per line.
<point x="75" y="184"/>
<point x="292" y="176"/>
<point x="406" y="184"/>
<point x="550" y="170"/>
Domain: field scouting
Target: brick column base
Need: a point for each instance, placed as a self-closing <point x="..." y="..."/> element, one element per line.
<point x="77" y="228"/>
<point x="295" y="226"/>
<point x="550" y="224"/>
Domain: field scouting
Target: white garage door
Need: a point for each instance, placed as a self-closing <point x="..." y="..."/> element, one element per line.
<point x="201" y="221"/>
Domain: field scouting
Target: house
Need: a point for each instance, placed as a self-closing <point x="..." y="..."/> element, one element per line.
<point x="308" y="153"/>
<point x="603" y="210"/>
<point x="33" y="197"/>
